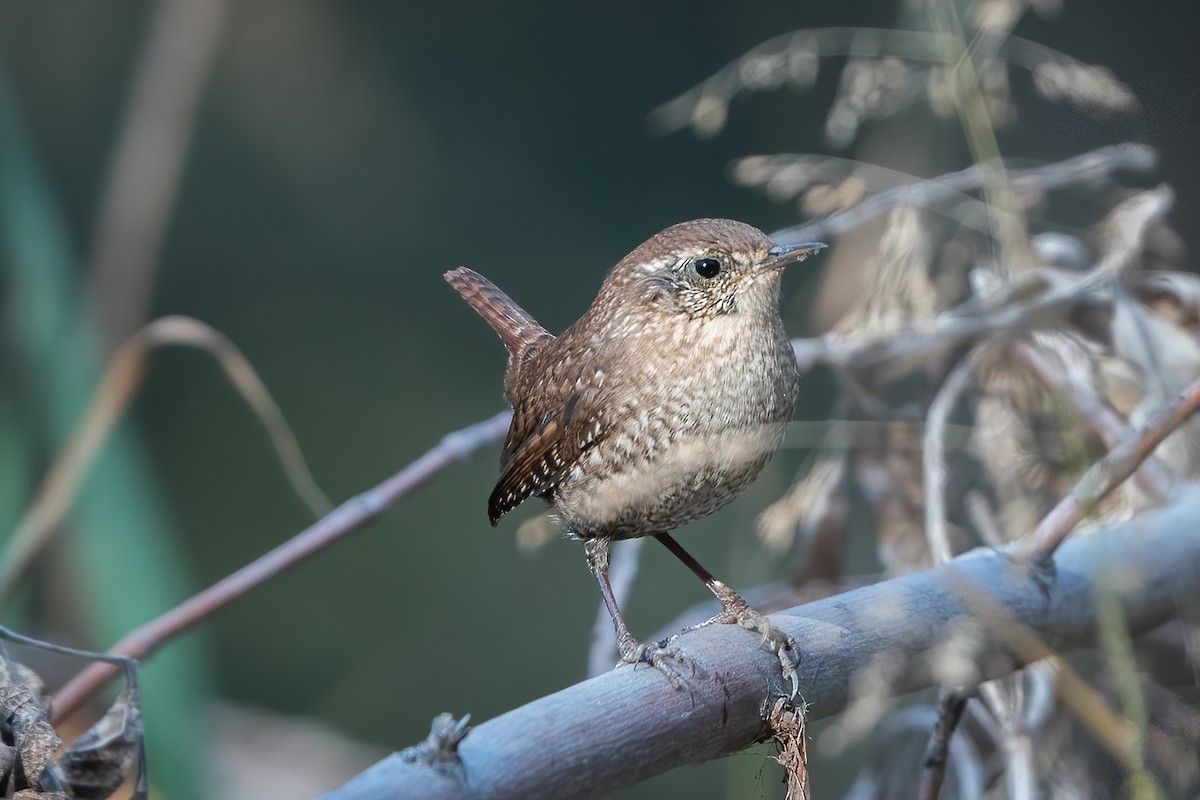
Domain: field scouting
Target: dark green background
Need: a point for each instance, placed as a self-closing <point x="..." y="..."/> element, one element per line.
<point x="345" y="155"/>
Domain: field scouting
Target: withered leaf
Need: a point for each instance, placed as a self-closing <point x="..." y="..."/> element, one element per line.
<point x="26" y="725"/>
<point x="98" y="761"/>
<point x="95" y="765"/>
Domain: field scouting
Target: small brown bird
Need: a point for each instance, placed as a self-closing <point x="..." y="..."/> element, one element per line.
<point x="657" y="407"/>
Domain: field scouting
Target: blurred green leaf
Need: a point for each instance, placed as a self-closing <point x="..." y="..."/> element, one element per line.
<point x="126" y="566"/>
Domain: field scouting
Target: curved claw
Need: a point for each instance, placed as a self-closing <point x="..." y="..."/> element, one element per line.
<point x="789" y="662"/>
<point x="782" y="645"/>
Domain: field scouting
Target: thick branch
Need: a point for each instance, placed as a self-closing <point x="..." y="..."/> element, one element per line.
<point x="627" y="725"/>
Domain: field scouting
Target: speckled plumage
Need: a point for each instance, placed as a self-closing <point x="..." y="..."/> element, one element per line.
<point x="663" y="401"/>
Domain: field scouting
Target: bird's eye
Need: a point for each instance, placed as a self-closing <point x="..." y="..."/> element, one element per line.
<point x="707" y="267"/>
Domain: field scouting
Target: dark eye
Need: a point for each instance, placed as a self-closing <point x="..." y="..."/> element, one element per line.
<point x="707" y="267"/>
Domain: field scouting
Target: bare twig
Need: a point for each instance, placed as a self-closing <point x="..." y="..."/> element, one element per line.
<point x="128" y="664"/>
<point x="1016" y="313"/>
<point x="1005" y="699"/>
<point x="1105" y="475"/>
<point x="966" y="324"/>
<point x="647" y="727"/>
<point x="440" y="749"/>
<point x="950" y="710"/>
<point x="1016" y="743"/>
<point x="1126" y="228"/>
<point x="946" y="190"/>
<point x="979" y="510"/>
<point x="1153" y="476"/>
<point x="350" y="516"/>
<point x="1116" y="734"/>
<point x="934" y="457"/>
<point x="143" y="179"/>
<point x="116" y="390"/>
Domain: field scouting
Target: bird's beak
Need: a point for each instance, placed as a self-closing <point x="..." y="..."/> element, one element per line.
<point x="781" y="255"/>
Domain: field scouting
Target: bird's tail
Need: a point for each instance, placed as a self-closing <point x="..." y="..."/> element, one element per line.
<point x="512" y="323"/>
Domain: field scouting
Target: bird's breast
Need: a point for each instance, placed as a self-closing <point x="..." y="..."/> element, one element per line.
<point x="692" y="422"/>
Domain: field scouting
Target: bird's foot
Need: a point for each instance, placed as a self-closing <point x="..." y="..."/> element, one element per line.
<point x="667" y="660"/>
<point x="738" y="612"/>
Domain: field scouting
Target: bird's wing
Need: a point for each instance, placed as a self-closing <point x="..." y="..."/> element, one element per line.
<point x="544" y="443"/>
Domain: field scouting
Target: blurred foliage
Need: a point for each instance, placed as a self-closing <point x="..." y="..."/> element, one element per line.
<point x="344" y="156"/>
<point x="123" y="558"/>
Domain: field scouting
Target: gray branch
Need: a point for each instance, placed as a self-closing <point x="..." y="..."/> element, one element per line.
<point x="627" y="725"/>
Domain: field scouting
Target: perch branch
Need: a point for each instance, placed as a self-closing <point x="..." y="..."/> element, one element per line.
<point x="350" y="516"/>
<point x="627" y="725"/>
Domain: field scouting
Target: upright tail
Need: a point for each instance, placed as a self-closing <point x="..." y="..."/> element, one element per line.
<point x="515" y="327"/>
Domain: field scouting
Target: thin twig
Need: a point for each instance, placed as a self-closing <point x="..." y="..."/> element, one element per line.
<point x="1105" y="475"/>
<point x="350" y="516"/>
<point x="948" y="189"/>
<point x="1005" y="699"/>
<point x="1112" y="731"/>
<point x="934" y="457"/>
<point x="1153" y="476"/>
<point x="129" y="664"/>
<point x="148" y="161"/>
<point x="980" y="512"/>
<point x="950" y="710"/>
<point x="964" y="324"/>
<point x="1013" y="313"/>
<point x="1126" y="228"/>
<point x="116" y="390"/>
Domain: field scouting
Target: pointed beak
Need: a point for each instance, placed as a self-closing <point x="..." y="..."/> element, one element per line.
<point x="781" y="255"/>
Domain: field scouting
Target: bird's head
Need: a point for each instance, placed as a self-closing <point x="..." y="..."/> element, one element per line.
<point x="704" y="269"/>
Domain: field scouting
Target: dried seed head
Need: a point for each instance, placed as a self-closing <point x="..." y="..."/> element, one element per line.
<point x="1083" y="84"/>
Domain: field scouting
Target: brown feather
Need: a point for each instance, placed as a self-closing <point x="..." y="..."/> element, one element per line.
<point x="543" y="444"/>
<point x="516" y="328"/>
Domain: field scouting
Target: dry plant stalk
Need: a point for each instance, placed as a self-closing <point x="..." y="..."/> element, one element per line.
<point x="889" y="70"/>
<point x="788" y="729"/>
<point x="116" y="391"/>
<point x="1044" y="381"/>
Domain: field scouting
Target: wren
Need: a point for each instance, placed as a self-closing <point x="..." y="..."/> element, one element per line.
<point x="657" y="407"/>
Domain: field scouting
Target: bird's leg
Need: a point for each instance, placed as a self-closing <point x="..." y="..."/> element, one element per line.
<point x="660" y="657"/>
<point x="736" y="611"/>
